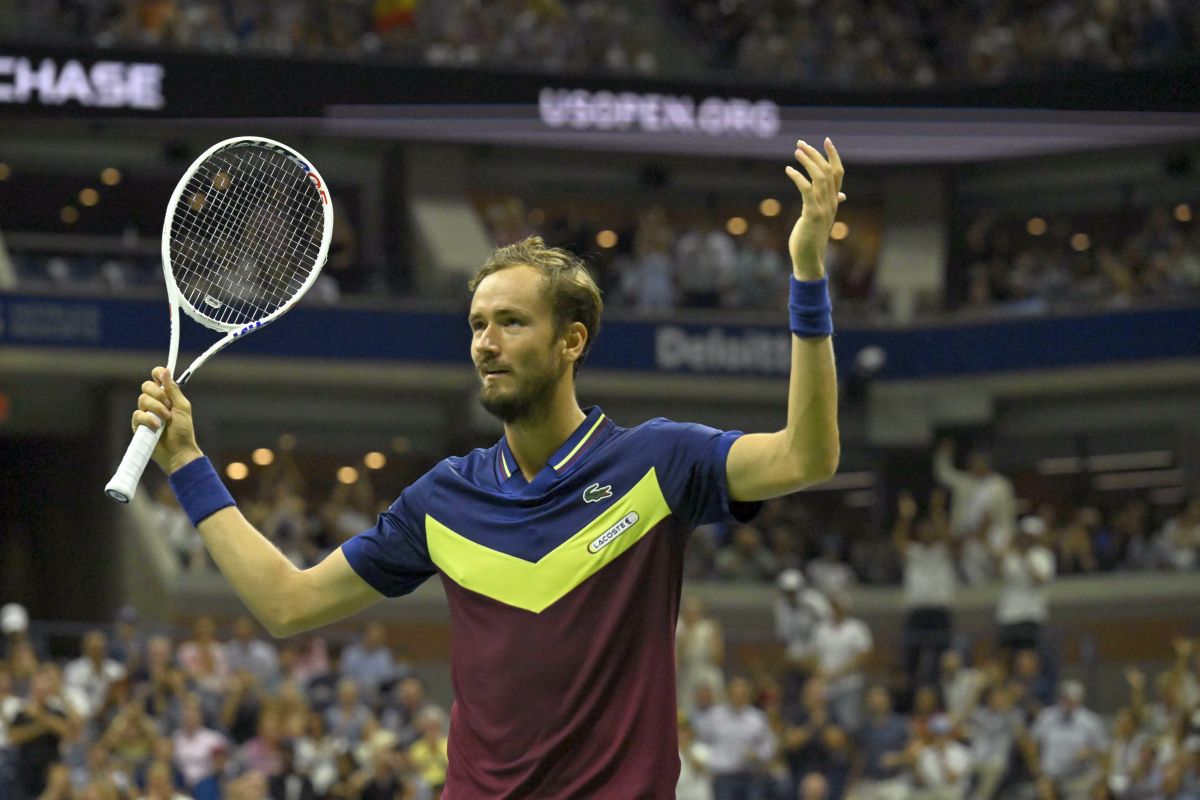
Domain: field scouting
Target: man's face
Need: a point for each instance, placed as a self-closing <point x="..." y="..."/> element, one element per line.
<point x="513" y="344"/>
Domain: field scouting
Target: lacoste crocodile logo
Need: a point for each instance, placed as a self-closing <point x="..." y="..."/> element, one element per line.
<point x="595" y="493"/>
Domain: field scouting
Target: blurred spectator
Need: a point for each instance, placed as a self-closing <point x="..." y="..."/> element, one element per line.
<point x="706" y="258"/>
<point x="195" y="744"/>
<point x="202" y="658"/>
<point x="1180" y="537"/>
<point x="799" y="611"/>
<point x="929" y="585"/>
<point x="404" y="709"/>
<point x="808" y="734"/>
<point x="369" y="661"/>
<point x="288" y="782"/>
<point x="695" y="781"/>
<point x="699" y="651"/>
<point x="36" y="732"/>
<point x="746" y="560"/>
<point x="960" y="685"/>
<point x="982" y="508"/>
<point x="1077" y="543"/>
<point x="93" y="672"/>
<point x="994" y="727"/>
<point x="828" y="572"/>
<point x="882" y="741"/>
<point x="429" y="754"/>
<point x="14" y="626"/>
<point x="1026" y="569"/>
<point x="942" y="769"/>
<point x="741" y="742"/>
<point x="128" y="645"/>
<point x="844" y="645"/>
<point x="159" y="785"/>
<point x="1067" y="743"/>
<point x="347" y="718"/>
<point x="254" y="655"/>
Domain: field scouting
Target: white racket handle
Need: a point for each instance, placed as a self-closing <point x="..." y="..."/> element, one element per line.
<point x="125" y="480"/>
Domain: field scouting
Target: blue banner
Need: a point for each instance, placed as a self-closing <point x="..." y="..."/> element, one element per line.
<point x="716" y="349"/>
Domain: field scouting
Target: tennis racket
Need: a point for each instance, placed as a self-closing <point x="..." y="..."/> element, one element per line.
<point x="245" y="235"/>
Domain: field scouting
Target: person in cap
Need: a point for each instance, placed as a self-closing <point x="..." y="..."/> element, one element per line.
<point x="799" y="611"/>
<point x="1066" y="746"/>
<point x="942" y="769"/>
<point x="1026" y="570"/>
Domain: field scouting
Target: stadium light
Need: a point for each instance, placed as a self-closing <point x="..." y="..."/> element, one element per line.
<point x="237" y="471"/>
<point x="1183" y="212"/>
<point x="262" y="456"/>
<point x="375" y="460"/>
<point x="69" y="215"/>
<point x="736" y="226"/>
<point x="839" y="231"/>
<point x="88" y="197"/>
<point x="770" y="207"/>
<point x="606" y="238"/>
<point x="1036" y="226"/>
<point x="1080" y="242"/>
<point x="110" y="176"/>
<point x="347" y="475"/>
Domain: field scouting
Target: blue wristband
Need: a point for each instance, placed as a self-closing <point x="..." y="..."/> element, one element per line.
<point x="199" y="490"/>
<point x="809" y="310"/>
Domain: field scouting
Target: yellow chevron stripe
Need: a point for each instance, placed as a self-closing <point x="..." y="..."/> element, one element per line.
<point x="535" y="587"/>
<point x="587" y="436"/>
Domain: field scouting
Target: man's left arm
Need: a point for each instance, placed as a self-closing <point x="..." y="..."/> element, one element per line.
<point x="806" y="451"/>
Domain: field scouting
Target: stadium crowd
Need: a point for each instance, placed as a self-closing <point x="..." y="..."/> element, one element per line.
<point x="971" y="521"/>
<point x="133" y="712"/>
<point x="1031" y="266"/>
<point x="843" y="43"/>
<point x="536" y="35"/>
<point x="863" y="43"/>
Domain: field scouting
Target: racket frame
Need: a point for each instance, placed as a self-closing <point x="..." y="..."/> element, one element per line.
<point x="123" y="484"/>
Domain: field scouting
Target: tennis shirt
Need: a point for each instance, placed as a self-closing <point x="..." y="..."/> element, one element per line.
<point x="563" y="594"/>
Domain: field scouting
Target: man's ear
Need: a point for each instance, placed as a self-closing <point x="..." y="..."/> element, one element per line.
<point x="574" y="340"/>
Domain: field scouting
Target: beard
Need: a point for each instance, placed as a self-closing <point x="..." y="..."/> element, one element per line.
<point x="529" y="397"/>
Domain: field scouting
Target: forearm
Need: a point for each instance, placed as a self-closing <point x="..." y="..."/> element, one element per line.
<point x="261" y="575"/>
<point x="812" y="422"/>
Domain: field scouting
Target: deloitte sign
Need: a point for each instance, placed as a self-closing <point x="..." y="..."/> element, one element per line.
<point x="745" y="351"/>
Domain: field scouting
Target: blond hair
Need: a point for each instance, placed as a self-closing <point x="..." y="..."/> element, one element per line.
<point x="567" y="285"/>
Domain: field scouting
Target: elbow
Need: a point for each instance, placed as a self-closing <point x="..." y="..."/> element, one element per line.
<point x="819" y="467"/>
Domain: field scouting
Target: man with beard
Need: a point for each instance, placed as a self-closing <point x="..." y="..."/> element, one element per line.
<point x="561" y="546"/>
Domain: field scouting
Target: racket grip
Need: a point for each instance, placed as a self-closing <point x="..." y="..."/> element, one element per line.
<point x="125" y="480"/>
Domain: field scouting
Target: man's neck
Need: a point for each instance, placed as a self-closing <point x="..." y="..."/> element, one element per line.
<point x="534" y="440"/>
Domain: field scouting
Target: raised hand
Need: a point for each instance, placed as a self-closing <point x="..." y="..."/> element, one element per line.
<point x="822" y="191"/>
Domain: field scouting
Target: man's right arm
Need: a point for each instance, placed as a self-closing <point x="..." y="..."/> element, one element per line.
<point x="285" y="599"/>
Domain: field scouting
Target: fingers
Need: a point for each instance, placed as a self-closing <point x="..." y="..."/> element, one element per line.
<point x="145" y="418"/>
<point x="835" y="161"/>
<point x="825" y="172"/>
<point x="173" y="392"/>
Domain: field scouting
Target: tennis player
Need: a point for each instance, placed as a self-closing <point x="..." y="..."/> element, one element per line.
<point x="561" y="546"/>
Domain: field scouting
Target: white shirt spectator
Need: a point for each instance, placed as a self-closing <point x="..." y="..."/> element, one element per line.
<point x="92" y="680"/>
<point x="944" y="768"/>
<point x="732" y="733"/>
<point x="255" y="656"/>
<point x="694" y="784"/>
<point x="837" y="646"/>
<point x="1062" y="736"/>
<point x="974" y="499"/>
<point x="194" y="752"/>
<point x="796" y="623"/>
<point x="1025" y="576"/>
<point x="929" y="578"/>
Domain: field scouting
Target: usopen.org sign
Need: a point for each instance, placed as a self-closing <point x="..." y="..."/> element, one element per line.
<point x="581" y="110"/>
<point x="99" y="84"/>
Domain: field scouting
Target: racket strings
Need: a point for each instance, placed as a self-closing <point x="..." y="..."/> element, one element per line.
<point x="245" y="234"/>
